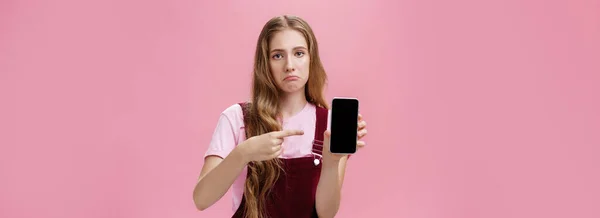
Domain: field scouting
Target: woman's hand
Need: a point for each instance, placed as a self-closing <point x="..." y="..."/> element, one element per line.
<point x="361" y="132"/>
<point x="266" y="146"/>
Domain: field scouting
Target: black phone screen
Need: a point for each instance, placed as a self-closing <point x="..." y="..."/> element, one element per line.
<point x="344" y="121"/>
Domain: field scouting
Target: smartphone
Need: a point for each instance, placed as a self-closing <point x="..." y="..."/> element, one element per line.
<point x="343" y="124"/>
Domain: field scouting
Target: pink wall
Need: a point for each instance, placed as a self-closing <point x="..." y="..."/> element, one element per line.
<point x="474" y="109"/>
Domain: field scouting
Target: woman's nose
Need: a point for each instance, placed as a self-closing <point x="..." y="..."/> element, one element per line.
<point x="289" y="66"/>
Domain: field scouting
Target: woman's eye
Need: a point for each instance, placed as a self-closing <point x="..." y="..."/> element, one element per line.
<point x="300" y="53"/>
<point x="277" y="56"/>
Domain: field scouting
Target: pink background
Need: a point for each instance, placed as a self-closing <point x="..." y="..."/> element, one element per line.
<point x="475" y="108"/>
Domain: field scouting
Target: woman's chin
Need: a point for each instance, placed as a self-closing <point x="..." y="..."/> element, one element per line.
<point x="292" y="90"/>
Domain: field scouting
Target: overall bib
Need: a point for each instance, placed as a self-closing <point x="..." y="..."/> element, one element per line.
<point x="293" y="194"/>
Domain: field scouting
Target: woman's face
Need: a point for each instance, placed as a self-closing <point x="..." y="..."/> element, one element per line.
<point x="289" y="60"/>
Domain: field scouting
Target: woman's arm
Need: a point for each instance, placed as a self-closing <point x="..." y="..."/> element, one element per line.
<point x="216" y="177"/>
<point x="332" y="174"/>
<point x="330" y="186"/>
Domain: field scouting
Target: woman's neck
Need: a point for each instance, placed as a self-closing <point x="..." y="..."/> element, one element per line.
<point x="291" y="104"/>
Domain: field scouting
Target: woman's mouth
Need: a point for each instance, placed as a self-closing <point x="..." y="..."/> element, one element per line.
<point x="291" y="78"/>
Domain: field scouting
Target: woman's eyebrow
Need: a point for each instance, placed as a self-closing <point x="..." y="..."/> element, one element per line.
<point x="282" y="50"/>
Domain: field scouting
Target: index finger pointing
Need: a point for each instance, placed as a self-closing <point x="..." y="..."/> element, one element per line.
<point x="289" y="132"/>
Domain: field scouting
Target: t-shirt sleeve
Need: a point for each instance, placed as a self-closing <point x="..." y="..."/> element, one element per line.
<point x="223" y="139"/>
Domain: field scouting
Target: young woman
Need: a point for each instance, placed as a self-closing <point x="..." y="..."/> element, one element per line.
<point x="274" y="151"/>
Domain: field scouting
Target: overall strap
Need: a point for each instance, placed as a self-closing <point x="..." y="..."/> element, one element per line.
<point x="320" y="127"/>
<point x="244" y="106"/>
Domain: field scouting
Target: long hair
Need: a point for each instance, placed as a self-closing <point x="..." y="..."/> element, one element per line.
<point x="262" y="113"/>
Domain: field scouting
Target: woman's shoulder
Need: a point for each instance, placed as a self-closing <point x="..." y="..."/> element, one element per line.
<point x="234" y="114"/>
<point x="233" y="108"/>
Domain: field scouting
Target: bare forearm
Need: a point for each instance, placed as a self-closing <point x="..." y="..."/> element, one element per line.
<point x="329" y="188"/>
<point x="212" y="186"/>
